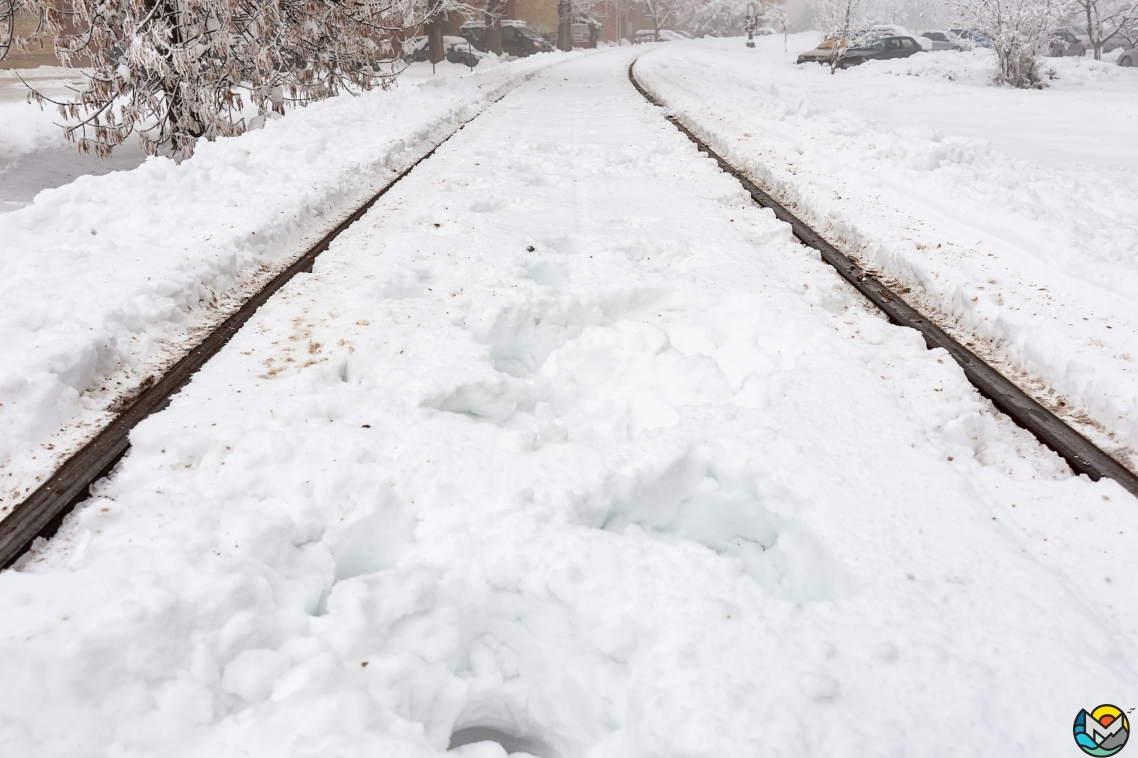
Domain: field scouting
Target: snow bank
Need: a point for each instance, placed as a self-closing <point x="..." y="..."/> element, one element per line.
<point x="109" y="279"/>
<point x="569" y="444"/>
<point x="979" y="67"/>
<point x="1011" y="215"/>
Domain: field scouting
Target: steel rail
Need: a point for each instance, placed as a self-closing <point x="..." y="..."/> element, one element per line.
<point x="41" y="513"/>
<point x="1081" y="454"/>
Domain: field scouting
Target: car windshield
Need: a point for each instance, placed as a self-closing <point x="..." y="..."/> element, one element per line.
<point x="529" y="34"/>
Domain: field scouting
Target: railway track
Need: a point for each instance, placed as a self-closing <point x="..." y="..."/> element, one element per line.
<point x="40" y="514"/>
<point x="1083" y="456"/>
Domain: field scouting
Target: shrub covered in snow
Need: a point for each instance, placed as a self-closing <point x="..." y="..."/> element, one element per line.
<point x="1019" y="31"/>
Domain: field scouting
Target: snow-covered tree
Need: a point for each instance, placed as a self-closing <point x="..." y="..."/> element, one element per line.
<point x="1107" y="20"/>
<point x="664" y="13"/>
<point x="7" y="26"/>
<point x="840" y="21"/>
<point x="1019" y="30"/>
<point x="173" y="71"/>
<point x="913" y="14"/>
<point x="715" y="18"/>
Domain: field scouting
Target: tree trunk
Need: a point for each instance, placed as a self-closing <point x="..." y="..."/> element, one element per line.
<point x="564" y="25"/>
<point x="1092" y="31"/>
<point x="435" y="41"/>
<point x="494" y="26"/>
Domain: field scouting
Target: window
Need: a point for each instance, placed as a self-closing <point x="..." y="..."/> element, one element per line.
<point x="893" y="44"/>
<point x="908" y="44"/>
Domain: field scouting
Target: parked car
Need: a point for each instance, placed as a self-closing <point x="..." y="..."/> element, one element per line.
<point x="1066" y="44"/>
<point x="1079" y="33"/>
<point x="939" y="40"/>
<point x="464" y="54"/>
<point x="666" y="35"/>
<point x="821" y="54"/>
<point x="969" y="38"/>
<point x="416" y="50"/>
<point x="882" y="49"/>
<point x="586" y="33"/>
<point x="886" y="30"/>
<point x="518" y="39"/>
<point x="1128" y="58"/>
<point x="1117" y="42"/>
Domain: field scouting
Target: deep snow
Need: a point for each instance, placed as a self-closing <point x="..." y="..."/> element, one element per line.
<point x="1010" y="215"/>
<point x="568" y="441"/>
<point x="106" y="281"/>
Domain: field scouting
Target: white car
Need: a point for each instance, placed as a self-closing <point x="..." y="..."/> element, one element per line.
<point x="666" y="35"/>
<point x="937" y="39"/>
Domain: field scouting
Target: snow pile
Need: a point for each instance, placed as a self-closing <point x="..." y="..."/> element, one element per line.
<point x="1087" y="73"/>
<point x="1032" y="256"/>
<point x="569" y="445"/>
<point x="972" y="66"/>
<point x="107" y="280"/>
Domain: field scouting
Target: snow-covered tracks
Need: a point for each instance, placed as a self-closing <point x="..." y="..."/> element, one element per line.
<point x="1081" y="454"/>
<point x="567" y="443"/>
<point x="40" y="514"/>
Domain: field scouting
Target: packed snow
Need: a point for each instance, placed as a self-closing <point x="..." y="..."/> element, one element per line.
<point x="568" y="445"/>
<point x="1010" y="215"/>
<point x="107" y="280"/>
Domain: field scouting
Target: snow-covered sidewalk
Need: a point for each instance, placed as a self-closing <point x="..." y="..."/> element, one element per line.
<point x="1011" y="216"/>
<point x="569" y="443"/>
<point x="108" y="280"/>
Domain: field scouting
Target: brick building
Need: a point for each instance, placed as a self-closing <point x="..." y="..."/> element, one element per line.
<point x="41" y="52"/>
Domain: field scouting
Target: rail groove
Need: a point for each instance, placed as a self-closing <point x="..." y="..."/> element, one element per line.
<point x="41" y="513"/>
<point x="1081" y="454"/>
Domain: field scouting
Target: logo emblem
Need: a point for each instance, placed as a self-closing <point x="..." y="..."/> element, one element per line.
<point x="1103" y="731"/>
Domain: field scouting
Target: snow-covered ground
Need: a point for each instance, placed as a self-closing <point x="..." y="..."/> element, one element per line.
<point x="107" y="280"/>
<point x="568" y="443"/>
<point x="1011" y="215"/>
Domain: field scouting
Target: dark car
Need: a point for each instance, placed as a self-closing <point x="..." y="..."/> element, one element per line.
<point x="885" y="48"/>
<point x="1064" y="44"/>
<point x="518" y="39"/>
